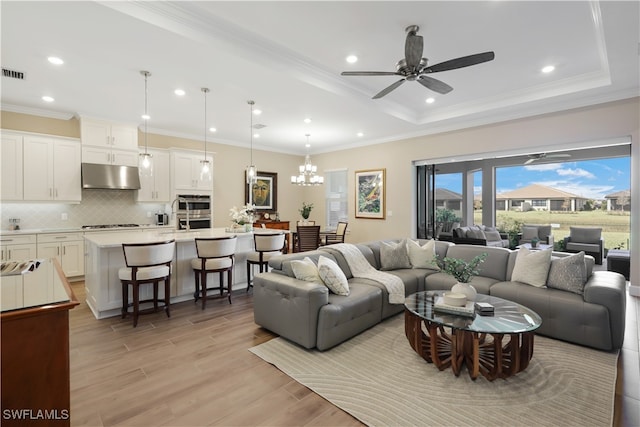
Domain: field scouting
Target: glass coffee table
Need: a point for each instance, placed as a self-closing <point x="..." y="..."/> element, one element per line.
<point x="496" y="346"/>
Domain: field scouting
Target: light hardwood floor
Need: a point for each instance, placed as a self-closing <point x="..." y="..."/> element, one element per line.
<point x="194" y="370"/>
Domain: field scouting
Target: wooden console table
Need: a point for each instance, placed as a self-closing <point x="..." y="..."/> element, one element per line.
<point x="276" y="225"/>
<point x="35" y="352"/>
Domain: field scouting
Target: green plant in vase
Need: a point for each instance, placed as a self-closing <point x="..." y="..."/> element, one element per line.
<point x="305" y="211"/>
<point x="463" y="271"/>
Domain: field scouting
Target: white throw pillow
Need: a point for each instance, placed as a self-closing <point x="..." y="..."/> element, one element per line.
<point x="332" y="276"/>
<point x="532" y="267"/>
<point x="394" y="256"/>
<point x="422" y="256"/>
<point x="305" y="270"/>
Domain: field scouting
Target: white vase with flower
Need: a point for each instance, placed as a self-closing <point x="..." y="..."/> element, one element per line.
<point x="463" y="271"/>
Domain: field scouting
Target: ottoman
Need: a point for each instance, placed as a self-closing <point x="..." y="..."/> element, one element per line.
<point x="619" y="261"/>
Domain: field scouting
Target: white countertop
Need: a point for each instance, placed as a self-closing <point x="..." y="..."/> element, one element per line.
<point x="117" y="238"/>
<point x="80" y="229"/>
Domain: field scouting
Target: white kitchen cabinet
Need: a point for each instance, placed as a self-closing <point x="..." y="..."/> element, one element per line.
<point x="20" y="247"/>
<point x="109" y="156"/>
<point x="186" y="168"/>
<point x="11" y="164"/>
<point x="11" y="293"/>
<point x="51" y="169"/>
<point x="67" y="247"/>
<point x="107" y="134"/>
<point x="157" y="188"/>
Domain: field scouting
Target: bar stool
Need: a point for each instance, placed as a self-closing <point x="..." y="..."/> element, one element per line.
<point x="146" y="263"/>
<point x="266" y="246"/>
<point x="215" y="255"/>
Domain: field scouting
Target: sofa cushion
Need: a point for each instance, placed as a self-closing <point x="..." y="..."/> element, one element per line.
<point x="394" y="256"/>
<point x="532" y="267"/>
<point x="568" y="273"/>
<point x="332" y="276"/>
<point x="492" y="236"/>
<point x="422" y="256"/>
<point x="305" y="270"/>
<point x="585" y="235"/>
<point x="529" y="233"/>
<point x="475" y="233"/>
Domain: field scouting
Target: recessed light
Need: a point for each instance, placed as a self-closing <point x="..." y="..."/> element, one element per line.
<point x="257" y="112"/>
<point x="548" y="69"/>
<point x="307" y="120"/>
<point x="256" y="135"/>
<point x="179" y="92"/>
<point x="360" y="134"/>
<point x="146" y="117"/>
<point x="307" y="145"/>
<point x="55" y="60"/>
<point x="47" y="98"/>
<point x="352" y="59"/>
<point x="430" y="100"/>
<point x="212" y="129"/>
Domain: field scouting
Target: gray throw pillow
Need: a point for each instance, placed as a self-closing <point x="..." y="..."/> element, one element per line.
<point x="475" y="233"/>
<point x="529" y="233"/>
<point x="394" y="255"/>
<point x="568" y="273"/>
<point x="585" y="235"/>
<point x="492" y="236"/>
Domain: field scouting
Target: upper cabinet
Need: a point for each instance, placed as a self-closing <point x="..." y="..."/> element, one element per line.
<point x="186" y="168"/>
<point x="105" y="134"/>
<point x="157" y="187"/>
<point x="109" y="143"/>
<point x="51" y="169"/>
<point x="11" y="166"/>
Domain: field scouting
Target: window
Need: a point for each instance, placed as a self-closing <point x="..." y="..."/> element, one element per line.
<point x="336" y="197"/>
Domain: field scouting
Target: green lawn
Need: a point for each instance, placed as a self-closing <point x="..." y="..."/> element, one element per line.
<point x="615" y="225"/>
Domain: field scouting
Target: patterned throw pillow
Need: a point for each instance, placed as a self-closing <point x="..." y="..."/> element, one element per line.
<point x="422" y="256"/>
<point x="305" y="270"/>
<point x="332" y="276"/>
<point x="394" y="255"/>
<point x="532" y="267"/>
<point x="568" y="273"/>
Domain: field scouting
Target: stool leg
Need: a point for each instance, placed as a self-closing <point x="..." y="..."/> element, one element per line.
<point x="125" y="299"/>
<point x="155" y="295"/>
<point x="229" y="282"/>
<point x="136" y="303"/>
<point x="196" y="293"/>
<point x="203" y="287"/>
<point x="167" y="297"/>
<point x="248" y="276"/>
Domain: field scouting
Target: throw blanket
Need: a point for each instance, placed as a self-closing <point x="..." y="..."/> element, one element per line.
<point x="361" y="268"/>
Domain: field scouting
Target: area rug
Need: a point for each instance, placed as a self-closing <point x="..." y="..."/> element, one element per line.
<point x="377" y="378"/>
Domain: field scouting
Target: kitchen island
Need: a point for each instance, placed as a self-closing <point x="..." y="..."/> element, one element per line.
<point x="104" y="257"/>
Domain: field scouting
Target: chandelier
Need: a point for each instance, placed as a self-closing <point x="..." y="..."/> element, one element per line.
<point x="205" y="165"/>
<point x="145" y="164"/>
<point x="307" y="172"/>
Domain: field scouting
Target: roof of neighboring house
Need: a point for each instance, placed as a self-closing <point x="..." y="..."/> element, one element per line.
<point x="537" y="191"/>
<point x="444" y="194"/>
<point x="623" y="193"/>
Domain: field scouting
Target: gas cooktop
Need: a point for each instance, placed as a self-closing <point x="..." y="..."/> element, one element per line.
<point x="89" y="227"/>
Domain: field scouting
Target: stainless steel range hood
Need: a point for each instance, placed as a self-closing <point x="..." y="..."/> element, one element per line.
<point x="110" y="177"/>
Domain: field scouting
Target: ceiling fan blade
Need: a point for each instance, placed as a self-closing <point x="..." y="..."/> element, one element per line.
<point x="435" y="84"/>
<point x="369" y="73"/>
<point x="464" y="61"/>
<point x="388" y="89"/>
<point x="558" y="156"/>
<point x="413" y="49"/>
<point x="528" y="162"/>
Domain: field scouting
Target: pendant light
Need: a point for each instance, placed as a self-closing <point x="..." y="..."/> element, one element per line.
<point x="145" y="163"/>
<point x="205" y="172"/>
<point x="307" y="171"/>
<point x="251" y="172"/>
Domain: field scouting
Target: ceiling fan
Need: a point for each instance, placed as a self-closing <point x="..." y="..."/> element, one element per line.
<point x="414" y="67"/>
<point x="540" y="156"/>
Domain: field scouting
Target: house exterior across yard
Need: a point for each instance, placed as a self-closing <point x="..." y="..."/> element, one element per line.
<point x="619" y="201"/>
<point x="539" y="197"/>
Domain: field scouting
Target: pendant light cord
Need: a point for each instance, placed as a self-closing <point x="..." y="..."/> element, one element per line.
<point x="205" y="90"/>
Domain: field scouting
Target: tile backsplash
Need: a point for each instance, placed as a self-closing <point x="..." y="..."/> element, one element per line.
<point x="97" y="207"/>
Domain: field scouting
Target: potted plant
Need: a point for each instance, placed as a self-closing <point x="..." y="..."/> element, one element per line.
<point x="534" y="242"/>
<point x="243" y="217"/>
<point x="305" y="211"/>
<point x="463" y="271"/>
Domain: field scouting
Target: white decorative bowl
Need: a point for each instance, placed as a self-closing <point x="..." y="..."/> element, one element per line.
<point x="455" y="299"/>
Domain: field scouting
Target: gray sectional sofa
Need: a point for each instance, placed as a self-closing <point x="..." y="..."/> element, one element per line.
<point x="308" y="314"/>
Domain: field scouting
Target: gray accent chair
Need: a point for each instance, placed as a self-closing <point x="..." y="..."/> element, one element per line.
<point x="587" y="239"/>
<point x="539" y="231"/>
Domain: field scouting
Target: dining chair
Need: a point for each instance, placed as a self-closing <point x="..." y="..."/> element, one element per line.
<point x="146" y="263"/>
<point x="338" y="236"/>
<point x="215" y="255"/>
<point x="266" y="246"/>
<point x="308" y="238"/>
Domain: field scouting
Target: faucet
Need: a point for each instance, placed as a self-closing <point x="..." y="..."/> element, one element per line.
<point x="181" y="199"/>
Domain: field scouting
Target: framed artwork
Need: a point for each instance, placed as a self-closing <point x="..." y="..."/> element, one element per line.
<point x="263" y="193"/>
<point x="370" y="194"/>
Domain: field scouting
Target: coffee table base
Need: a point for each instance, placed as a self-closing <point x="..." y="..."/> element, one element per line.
<point x="492" y="355"/>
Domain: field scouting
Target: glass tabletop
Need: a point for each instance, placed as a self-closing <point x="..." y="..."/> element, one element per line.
<point x="508" y="317"/>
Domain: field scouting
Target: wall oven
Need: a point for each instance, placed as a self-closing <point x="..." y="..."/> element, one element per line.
<point x="199" y="210"/>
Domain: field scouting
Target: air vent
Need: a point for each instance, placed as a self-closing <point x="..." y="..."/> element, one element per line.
<point x="259" y="126"/>
<point x="12" y="74"/>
